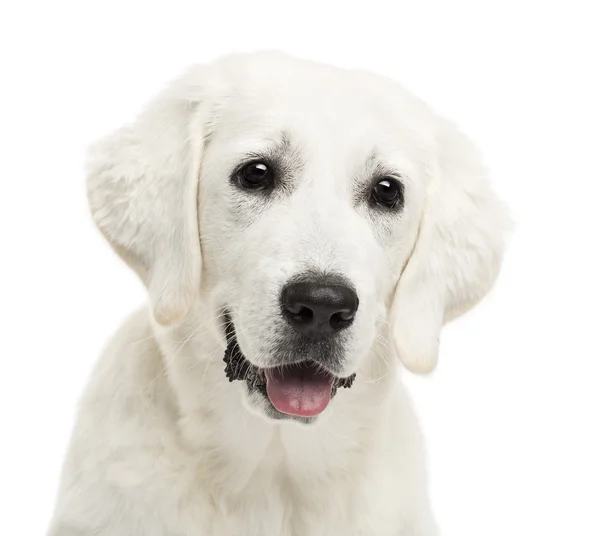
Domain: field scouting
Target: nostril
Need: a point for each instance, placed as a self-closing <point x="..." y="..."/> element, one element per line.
<point x="304" y="315"/>
<point x="296" y="309"/>
<point x="341" y="319"/>
<point x="347" y="315"/>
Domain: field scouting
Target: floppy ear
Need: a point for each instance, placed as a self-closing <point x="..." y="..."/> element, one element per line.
<point x="142" y="188"/>
<point x="456" y="256"/>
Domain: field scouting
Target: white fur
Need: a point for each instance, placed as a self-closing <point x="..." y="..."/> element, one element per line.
<point x="164" y="445"/>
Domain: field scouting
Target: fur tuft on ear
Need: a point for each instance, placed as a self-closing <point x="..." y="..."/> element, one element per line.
<point x="142" y="185"/>
<point x="457" y="254"/>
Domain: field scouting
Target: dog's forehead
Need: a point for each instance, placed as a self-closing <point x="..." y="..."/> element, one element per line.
<point x="265" y="94"/>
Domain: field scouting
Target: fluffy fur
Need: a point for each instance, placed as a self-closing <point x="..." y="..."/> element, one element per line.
<point x="164" y="445"/>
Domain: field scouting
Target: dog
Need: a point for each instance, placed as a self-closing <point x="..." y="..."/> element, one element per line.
<point x="299" y="228"/>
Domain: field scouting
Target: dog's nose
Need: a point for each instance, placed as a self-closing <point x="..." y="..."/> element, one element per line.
<point x="319" y="307"/>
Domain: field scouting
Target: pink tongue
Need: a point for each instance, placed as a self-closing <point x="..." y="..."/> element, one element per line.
<point x="299" y="390"/>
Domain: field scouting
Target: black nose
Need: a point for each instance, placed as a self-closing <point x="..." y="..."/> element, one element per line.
<point x="319" y="307"/>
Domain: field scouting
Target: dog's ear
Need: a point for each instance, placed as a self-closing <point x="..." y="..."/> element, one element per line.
<point x="457" y="252"/>
<point x="142" y="188"/>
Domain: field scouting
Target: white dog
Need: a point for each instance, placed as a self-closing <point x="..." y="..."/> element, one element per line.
<point x="299" y="228"/>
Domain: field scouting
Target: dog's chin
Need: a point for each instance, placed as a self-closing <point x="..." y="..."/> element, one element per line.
<point x="298" y="391"/>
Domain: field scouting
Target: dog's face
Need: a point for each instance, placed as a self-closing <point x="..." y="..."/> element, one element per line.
<point x="308" y="210"/>
<point x="317" y="205"/>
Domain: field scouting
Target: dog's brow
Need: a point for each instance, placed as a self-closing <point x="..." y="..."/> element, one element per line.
<point x="282" y="147"/>
<point x="374" y="159"/>
<point x="371" y="166"/>
<point x="376" y="166"/>
<point x="285" y="142"/>
<point x="276" y="148"/>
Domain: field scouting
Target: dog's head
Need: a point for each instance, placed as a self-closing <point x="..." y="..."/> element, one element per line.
<point x="318" y="209"/>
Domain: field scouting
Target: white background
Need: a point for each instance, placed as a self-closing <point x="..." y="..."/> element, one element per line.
<point x="511" y="415"/>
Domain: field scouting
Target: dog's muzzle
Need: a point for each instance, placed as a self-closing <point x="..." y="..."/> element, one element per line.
<point x="301" y="389"/>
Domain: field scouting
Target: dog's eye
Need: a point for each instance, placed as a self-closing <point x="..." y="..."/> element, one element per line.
<point x="388" y="193"/>
<point x="255" y="175"/>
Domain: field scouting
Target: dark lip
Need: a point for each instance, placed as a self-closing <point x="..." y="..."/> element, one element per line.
<point x="238" y="367"/>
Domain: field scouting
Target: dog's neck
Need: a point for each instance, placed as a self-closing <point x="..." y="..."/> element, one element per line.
<point x="214" y="418"/>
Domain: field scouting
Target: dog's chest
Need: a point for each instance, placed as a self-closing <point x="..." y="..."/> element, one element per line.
<point x="286" y="508"/>
<point x="274" y="499"/>
<point x="291" y="482"/>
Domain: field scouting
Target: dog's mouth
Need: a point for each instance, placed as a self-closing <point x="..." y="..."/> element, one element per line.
<point x="301" y="389"/>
